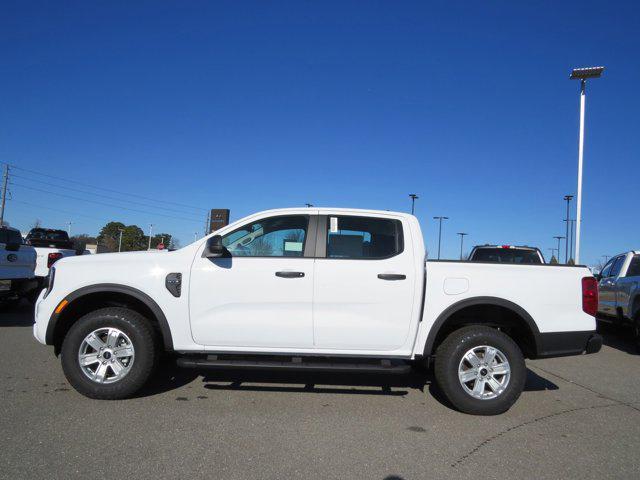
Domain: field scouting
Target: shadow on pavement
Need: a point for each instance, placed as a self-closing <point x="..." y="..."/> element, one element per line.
<point x="619" y="337"/>
<point x="16" y="315"/>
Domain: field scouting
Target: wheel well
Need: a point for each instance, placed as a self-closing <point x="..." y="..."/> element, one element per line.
<point x="97" y="300"/>
<point x="635" y="309"/>
<point x="503" y="318"/>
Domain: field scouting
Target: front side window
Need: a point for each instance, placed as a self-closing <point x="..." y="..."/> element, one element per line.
<point x="363" y="237"/>
<point x="607" y="268"/>
<point x="617" y="266"/>
<point x="269" y="237"/>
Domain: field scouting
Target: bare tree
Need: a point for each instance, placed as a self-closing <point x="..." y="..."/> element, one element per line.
<point x="37" y="223"/>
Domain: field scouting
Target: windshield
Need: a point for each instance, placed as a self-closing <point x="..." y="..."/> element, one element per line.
<point x="505" y="255"/>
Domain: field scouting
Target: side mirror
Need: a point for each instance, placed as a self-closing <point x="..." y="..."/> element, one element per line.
<point x="214" y="248"/>
<point x="598" y="276"/>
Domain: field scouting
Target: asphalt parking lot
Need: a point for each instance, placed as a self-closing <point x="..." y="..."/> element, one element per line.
<point x="579" y="417"/>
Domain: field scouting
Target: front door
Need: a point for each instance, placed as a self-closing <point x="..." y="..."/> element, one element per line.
<point x="364" y="284"/>
<point x="260" y="294"/>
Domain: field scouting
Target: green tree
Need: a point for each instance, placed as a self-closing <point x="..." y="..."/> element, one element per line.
<point x="133" y="237"/>
<point x="554" y="260"/>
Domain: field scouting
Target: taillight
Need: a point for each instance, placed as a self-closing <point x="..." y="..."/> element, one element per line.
<point x="53" y="258"/>
<point x="590" y="295"/>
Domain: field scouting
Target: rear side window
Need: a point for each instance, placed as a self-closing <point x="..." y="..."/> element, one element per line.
<point x="363" y="237"/>
<point x="10" y="236"/>
<point x="634" y="267"/>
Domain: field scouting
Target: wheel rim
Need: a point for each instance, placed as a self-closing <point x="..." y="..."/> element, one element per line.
<point x="484" y="372"/>
<point x="106" y="355"/>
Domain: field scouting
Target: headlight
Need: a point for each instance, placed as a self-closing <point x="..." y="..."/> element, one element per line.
<point x="49" y="281"/>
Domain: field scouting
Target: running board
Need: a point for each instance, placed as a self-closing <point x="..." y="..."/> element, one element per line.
<point x="295" y="363"/>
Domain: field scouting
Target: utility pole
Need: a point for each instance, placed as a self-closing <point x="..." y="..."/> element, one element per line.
<point x="558" y="237"/>
<point x="207" y="223"/>
<point x="4" y="193"/>
<point x="150" y="230"/>
<point x="440" y="232"/>
<point x="120" y="241"/>
<point x="582" y="74"/>
<point x="69" y="228"/>
<point x="462" y="234"/>
<point x="606" y="258"/>
<point x="413" y="197"/>
<point x="195" y="236"/>
<point x="566" y="248"/>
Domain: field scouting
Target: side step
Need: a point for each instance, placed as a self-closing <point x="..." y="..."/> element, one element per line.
<point x="312" y="364"/>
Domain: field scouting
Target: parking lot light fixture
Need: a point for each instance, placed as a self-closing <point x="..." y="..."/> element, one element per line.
<point x="559" y="238"/>
<point x="440" y="232"/>
<point x="582" y="74"/>
<point x="566" y="248"/>
<point x="413" y="197"/>
<point x="150" y="230"/>
<point x="462" y="234"/>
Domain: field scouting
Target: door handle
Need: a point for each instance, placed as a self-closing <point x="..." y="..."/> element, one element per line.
<point x="391" y="276"/>
<point x="290" y="274"/>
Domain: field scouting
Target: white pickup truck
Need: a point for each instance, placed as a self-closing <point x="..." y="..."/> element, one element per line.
<point x="51" y="245"/>
<point x="315" y="289"/>
<point x="17" y="266"/>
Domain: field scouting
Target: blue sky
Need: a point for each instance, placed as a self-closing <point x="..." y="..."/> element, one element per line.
<point x="255" y="105"/>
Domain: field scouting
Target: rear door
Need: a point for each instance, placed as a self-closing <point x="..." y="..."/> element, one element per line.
<point x="364" y="283"/>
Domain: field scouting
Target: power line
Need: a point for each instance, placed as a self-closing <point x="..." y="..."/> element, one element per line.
<point x="104" y="204"/>
<point x="99" y="188"/>
<point x="98" y="194"/>
<point x="67" y="212"/>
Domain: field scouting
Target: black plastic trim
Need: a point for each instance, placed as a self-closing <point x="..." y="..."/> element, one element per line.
<point x="560" y="344"/>
<point x="115" y="288"/>
<point x="500" y="302"/>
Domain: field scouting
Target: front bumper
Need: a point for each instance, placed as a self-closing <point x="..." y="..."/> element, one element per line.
<point x="561" y="344"/>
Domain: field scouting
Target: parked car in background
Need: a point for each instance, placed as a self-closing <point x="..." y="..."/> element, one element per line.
<point x="619" y="284"/>
<point x="51" y="245"/>
<point x="315" y="289"/>
<point x="506" y="254"/>
<point x="17" y="267"/>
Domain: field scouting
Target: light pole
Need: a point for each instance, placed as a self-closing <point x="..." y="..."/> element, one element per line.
<point x="552" y="253"/>
<point x="150" y="230"/>
<point x="558" y="237"/>
<point x="69" y="228"/>
<point x="566" y="247"/>
<point x="440" y="232"/>
<point x="582" y="74"/>
<point x="606" y="258"/>
<point x="413" y="197"/>
<point x="462" y="234"/>
<point x="120" y="241"/>
<point x="195" y="236"/>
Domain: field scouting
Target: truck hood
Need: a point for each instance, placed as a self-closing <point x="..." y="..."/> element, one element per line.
<point x="147" y="257"/>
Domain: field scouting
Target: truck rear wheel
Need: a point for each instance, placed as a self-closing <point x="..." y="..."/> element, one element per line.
<point x="480" y="370"/>
<point x="109" y="353"/>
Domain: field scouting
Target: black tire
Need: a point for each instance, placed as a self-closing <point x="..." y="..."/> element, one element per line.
<point x="142" y="336"/>
<point x="636" y="332"/>
<point x="449" y="355"/>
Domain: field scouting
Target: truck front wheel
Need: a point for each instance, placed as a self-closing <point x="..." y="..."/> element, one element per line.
<point x="109" y="353"/>
<point x="480" y="370"/>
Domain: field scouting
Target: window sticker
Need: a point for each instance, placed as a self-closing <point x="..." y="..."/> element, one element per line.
<point x="292" y="246"/>
<point x="333" y="224"/>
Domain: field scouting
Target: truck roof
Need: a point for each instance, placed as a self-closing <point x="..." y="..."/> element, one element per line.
<point x="328" y="210"/>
